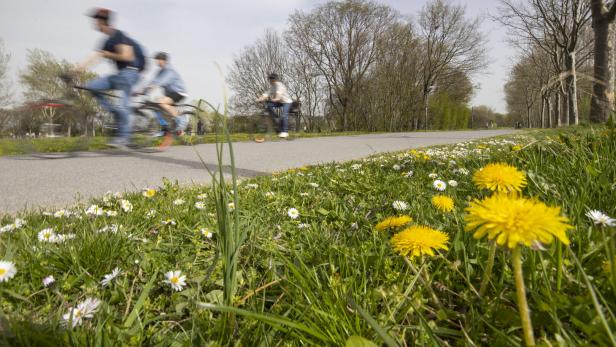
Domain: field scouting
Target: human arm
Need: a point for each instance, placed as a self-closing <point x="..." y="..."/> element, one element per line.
<point x="91" y="60"/>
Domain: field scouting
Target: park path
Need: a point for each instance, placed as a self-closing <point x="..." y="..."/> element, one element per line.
<point x="28" y="183"/>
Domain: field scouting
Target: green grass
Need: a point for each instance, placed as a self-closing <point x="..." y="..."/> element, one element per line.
<point x="66" y="144"/>
<point x="327" y="277"/>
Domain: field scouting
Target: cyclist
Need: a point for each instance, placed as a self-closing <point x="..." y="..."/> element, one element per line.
<point x="128" y="57"/>
<point x="278" y="97"/>
<point x="170" y="81"/>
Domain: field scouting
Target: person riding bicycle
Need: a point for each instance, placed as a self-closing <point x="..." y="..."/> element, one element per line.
<point x="128" y="57"/>
<point x="278" y="97"/>
<point x="174" y="91"/>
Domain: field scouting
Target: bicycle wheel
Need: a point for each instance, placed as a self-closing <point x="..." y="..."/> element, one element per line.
<point x="146" y="129"/>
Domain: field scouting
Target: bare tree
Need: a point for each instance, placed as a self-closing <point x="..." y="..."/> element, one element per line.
<point x="6" y="92"/>
<point x="452" y="44"/>
<point x="340" y="39"/>
<point x="555" y="26"/>
<point x="602" y="102"/>
<point x="249" y="71"/>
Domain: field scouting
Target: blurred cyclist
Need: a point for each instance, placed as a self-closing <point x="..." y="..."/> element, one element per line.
<point x="174" y="91"/>
<point x="129" y="59"/>
<point x="278" y="97"/>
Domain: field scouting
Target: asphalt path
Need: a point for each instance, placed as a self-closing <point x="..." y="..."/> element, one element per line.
<point x="30" y="183"/>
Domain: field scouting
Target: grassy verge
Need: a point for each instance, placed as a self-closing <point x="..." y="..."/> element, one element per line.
<point x="314" y="270"/>
<point x="63" y="144"/>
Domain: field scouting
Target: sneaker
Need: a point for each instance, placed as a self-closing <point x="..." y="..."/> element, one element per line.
<point x="119" y="144"/>
<point x="283" y="135"/>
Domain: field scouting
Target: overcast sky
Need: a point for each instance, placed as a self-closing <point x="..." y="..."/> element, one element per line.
<point x="199" y="34"/>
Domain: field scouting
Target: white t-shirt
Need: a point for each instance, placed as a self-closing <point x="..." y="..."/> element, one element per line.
<point x="278" y="92"/>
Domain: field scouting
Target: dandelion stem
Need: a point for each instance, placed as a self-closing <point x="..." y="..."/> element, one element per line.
<point x="527" y="327"/>
<point x="559" y="266"/>
<point x="488" y="271"/>
<point x="423" y="277"/>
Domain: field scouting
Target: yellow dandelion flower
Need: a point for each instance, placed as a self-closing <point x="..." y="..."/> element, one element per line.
<point x="516" y="148"/>
<point x="512" y="221"/>
<point x="500" y="177"/>
<point x="443" y="203"/>
<point x="148" y="193"/>
<point x="393" y="222"/>
<point x="417" y="241"/>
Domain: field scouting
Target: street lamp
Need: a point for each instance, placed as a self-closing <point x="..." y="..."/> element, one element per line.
<point x="430" y="91"/>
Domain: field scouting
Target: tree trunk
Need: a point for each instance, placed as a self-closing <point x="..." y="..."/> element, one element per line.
<point x="543" y="112"/>
<point x="558" y="109"/>
<point x="600" y="103"/>
<point x="565" y="109"/>
<point x="574" y="118"/>
<point x="549" y="111"/>
<point x="528" y="116"/>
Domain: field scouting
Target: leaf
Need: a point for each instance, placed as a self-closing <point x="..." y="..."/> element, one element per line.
<point x="389" y="341"/>
<point x="144" y="294"/>
<point x="358" y="341"/>
<point x="323" y="211"/>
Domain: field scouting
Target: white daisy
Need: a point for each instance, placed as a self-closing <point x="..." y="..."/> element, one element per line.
<point x="304" y="194"/>
<point x="314" y="185"/>
<point x="113" y="228"/>
<point x="169" y="222"/>
<point x="175" y="279"/>
<point x="231" y="206"/>
<point x="47" y="235"/>
<point x="463" y="171"/>
<point x="18" y="223"/>
<point x="433" y="175"/>
<point x="111" y="213"/>
<point x="600" y="218"/>
<point x="178" y="202"/>
<point x="408" y="174"/>
<point x="400" y="205"/>
<point x="110" y="277"/>
<point x="269" y="195"/>
<point x="61" y="213"/>
<point x="199" y="205"/>
<point x="396" y="167"/>
<point x="453" y="183"/>
<point x="206" y="232"/>
<point x="7" y="228"/>
<point x="293" y="213"/>
<point x="150" y="213"/>
<point x="94" y="210"/>
<point x="7" y="270"/>
<point x="49" y="280"/>
<point x="356" y="166"/>
<point x="84" y="309"/>
<point x="303" y="226"/>
<point x="60" y="238"/>
<point x="126" y="205"/>
<point x="202" y="196"/>
<point x="252" y="185"/>
<point x="117" y="195"/>
<point x="439" y="185"/>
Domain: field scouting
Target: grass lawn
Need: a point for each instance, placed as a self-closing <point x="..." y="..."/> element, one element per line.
<point x="64" y="144"/>
<point x="297" y="258"/>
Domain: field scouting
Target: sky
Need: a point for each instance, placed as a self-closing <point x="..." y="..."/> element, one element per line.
<point x="202" y="36"/>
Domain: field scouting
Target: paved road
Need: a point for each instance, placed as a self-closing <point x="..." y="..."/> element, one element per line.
<point x="27" y="182"/>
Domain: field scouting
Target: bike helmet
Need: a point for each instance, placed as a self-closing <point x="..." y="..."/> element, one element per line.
<point x="161" y="56"/>
<point x="273" y="76"/>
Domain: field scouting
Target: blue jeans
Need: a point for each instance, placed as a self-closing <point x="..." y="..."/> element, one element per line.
<point x="123" y="81"/>
<point x="284" y="123"/>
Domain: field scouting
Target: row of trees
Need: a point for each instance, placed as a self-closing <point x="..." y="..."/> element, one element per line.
<point x="361" y="65"/>
<point x="41" y="81"/>
<point x="563" y="73"/>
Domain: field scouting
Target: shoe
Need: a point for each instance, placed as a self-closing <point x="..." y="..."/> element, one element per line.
<point x="120" y="144"/>
<point x="283" y="135"/>
<point x="167" y="141"/>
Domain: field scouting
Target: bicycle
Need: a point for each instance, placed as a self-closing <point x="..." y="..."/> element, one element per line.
<point x="270" y="123"/>
<point x="146" y="125"/>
